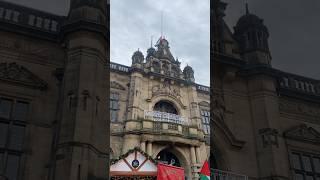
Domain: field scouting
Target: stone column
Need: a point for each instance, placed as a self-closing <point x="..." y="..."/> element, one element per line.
<point x="193" y="155"/>
<point x="143" y="146"/>
<point x="149" y="148"/>
<point x="198" y="154"/>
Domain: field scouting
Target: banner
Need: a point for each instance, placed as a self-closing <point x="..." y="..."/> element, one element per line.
<point x="169" y="172"/>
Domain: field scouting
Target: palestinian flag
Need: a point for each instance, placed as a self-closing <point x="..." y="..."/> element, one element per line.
<point x="205" y="171"/>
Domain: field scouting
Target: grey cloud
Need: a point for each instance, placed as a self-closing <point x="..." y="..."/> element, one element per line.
<point x="294" y="31"/>
<point x="186" y="26"/>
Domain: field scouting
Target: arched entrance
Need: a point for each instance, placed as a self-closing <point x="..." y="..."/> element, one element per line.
<point x="179" y="159"/>
<point x="167" y="157"/>
<point x="165" y="106"/>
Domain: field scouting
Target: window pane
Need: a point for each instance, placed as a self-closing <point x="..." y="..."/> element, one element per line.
<point x="316" y="164"/>
<point x="1" y="161"/>
<point x="295" y="161"/>
<point x="21" y="111"/>
<point x="207" y="120"/>
<point x="16" y="137"/>
<point x="3" y="134"/>
<point x="5" y="108"/>
<point x="298" y="177"/>
<point x="306" y="163"/>
<point x="309" y="177"/>
<point x="12" y="166"/>
<point x="113" y="115"/>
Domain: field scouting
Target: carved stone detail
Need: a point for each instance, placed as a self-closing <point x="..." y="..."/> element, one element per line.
<point x="303" y="133"/>
<point x="269" y="137"/>
<point x="16" y="74"/>
<point x="165" y="88"/>
<point x="116" y="85"/>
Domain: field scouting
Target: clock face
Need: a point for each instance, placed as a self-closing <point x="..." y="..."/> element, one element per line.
<point x="135" y="163"/>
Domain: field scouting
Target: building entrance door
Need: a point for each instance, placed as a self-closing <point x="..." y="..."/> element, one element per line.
<point x="167" y="157"/>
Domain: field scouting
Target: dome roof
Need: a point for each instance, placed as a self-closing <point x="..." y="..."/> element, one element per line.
<point x="137" y="53"/>
<point x="188" y="69"/>
<point x="151" y="52"/>
<point x="137" y="57"/>
<point x="249" y="21"/>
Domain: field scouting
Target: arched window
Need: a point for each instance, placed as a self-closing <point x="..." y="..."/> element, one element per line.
<point x="165" y="106"/>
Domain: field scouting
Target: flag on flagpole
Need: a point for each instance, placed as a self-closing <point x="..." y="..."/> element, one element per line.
<point x="205" y="171"/>
<point x="169" y="172"/>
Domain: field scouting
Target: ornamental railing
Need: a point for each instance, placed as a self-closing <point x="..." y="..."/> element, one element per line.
<point x="165" y="117"/>
<point x="225" y="175"/>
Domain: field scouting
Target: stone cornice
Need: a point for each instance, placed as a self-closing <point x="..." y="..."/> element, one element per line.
<point x="30" y="22"/>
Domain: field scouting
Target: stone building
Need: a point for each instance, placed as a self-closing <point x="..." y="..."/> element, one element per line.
<point x="54" y="93"/>
<point x="157" y="107"/>
<point x="266" y="121"/>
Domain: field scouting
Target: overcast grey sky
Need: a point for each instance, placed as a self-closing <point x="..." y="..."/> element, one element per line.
<point x="186" y="25"/>
<point x="294" y="27"/>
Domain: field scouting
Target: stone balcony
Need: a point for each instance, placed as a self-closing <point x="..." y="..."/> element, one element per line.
<point x="170" y="126"/>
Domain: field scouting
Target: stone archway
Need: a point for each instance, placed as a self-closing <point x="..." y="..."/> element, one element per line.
<point x="177" y="152"/>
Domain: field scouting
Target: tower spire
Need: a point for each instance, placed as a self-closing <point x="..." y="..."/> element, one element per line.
<point x="151" y="41"/>
<point x="247" y="8"/>
<point x="161" y="24"/>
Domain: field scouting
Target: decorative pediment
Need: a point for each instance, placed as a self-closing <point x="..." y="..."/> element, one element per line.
<point x="303" y="133"/>
<point x="16" y="74"/>
<point x="116" y="85"/>
<point x="134" y="162"/>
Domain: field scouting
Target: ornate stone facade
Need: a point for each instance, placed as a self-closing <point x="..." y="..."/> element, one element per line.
<point x="266" y="121"/>
<point x="159" y="111"/>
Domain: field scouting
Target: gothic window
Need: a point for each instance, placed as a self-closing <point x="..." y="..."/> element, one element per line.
<point x="205" y="117"/>
<point x="13" y="117"/>
<point x="305" y="165"/>
<point x="114" y="106"/>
